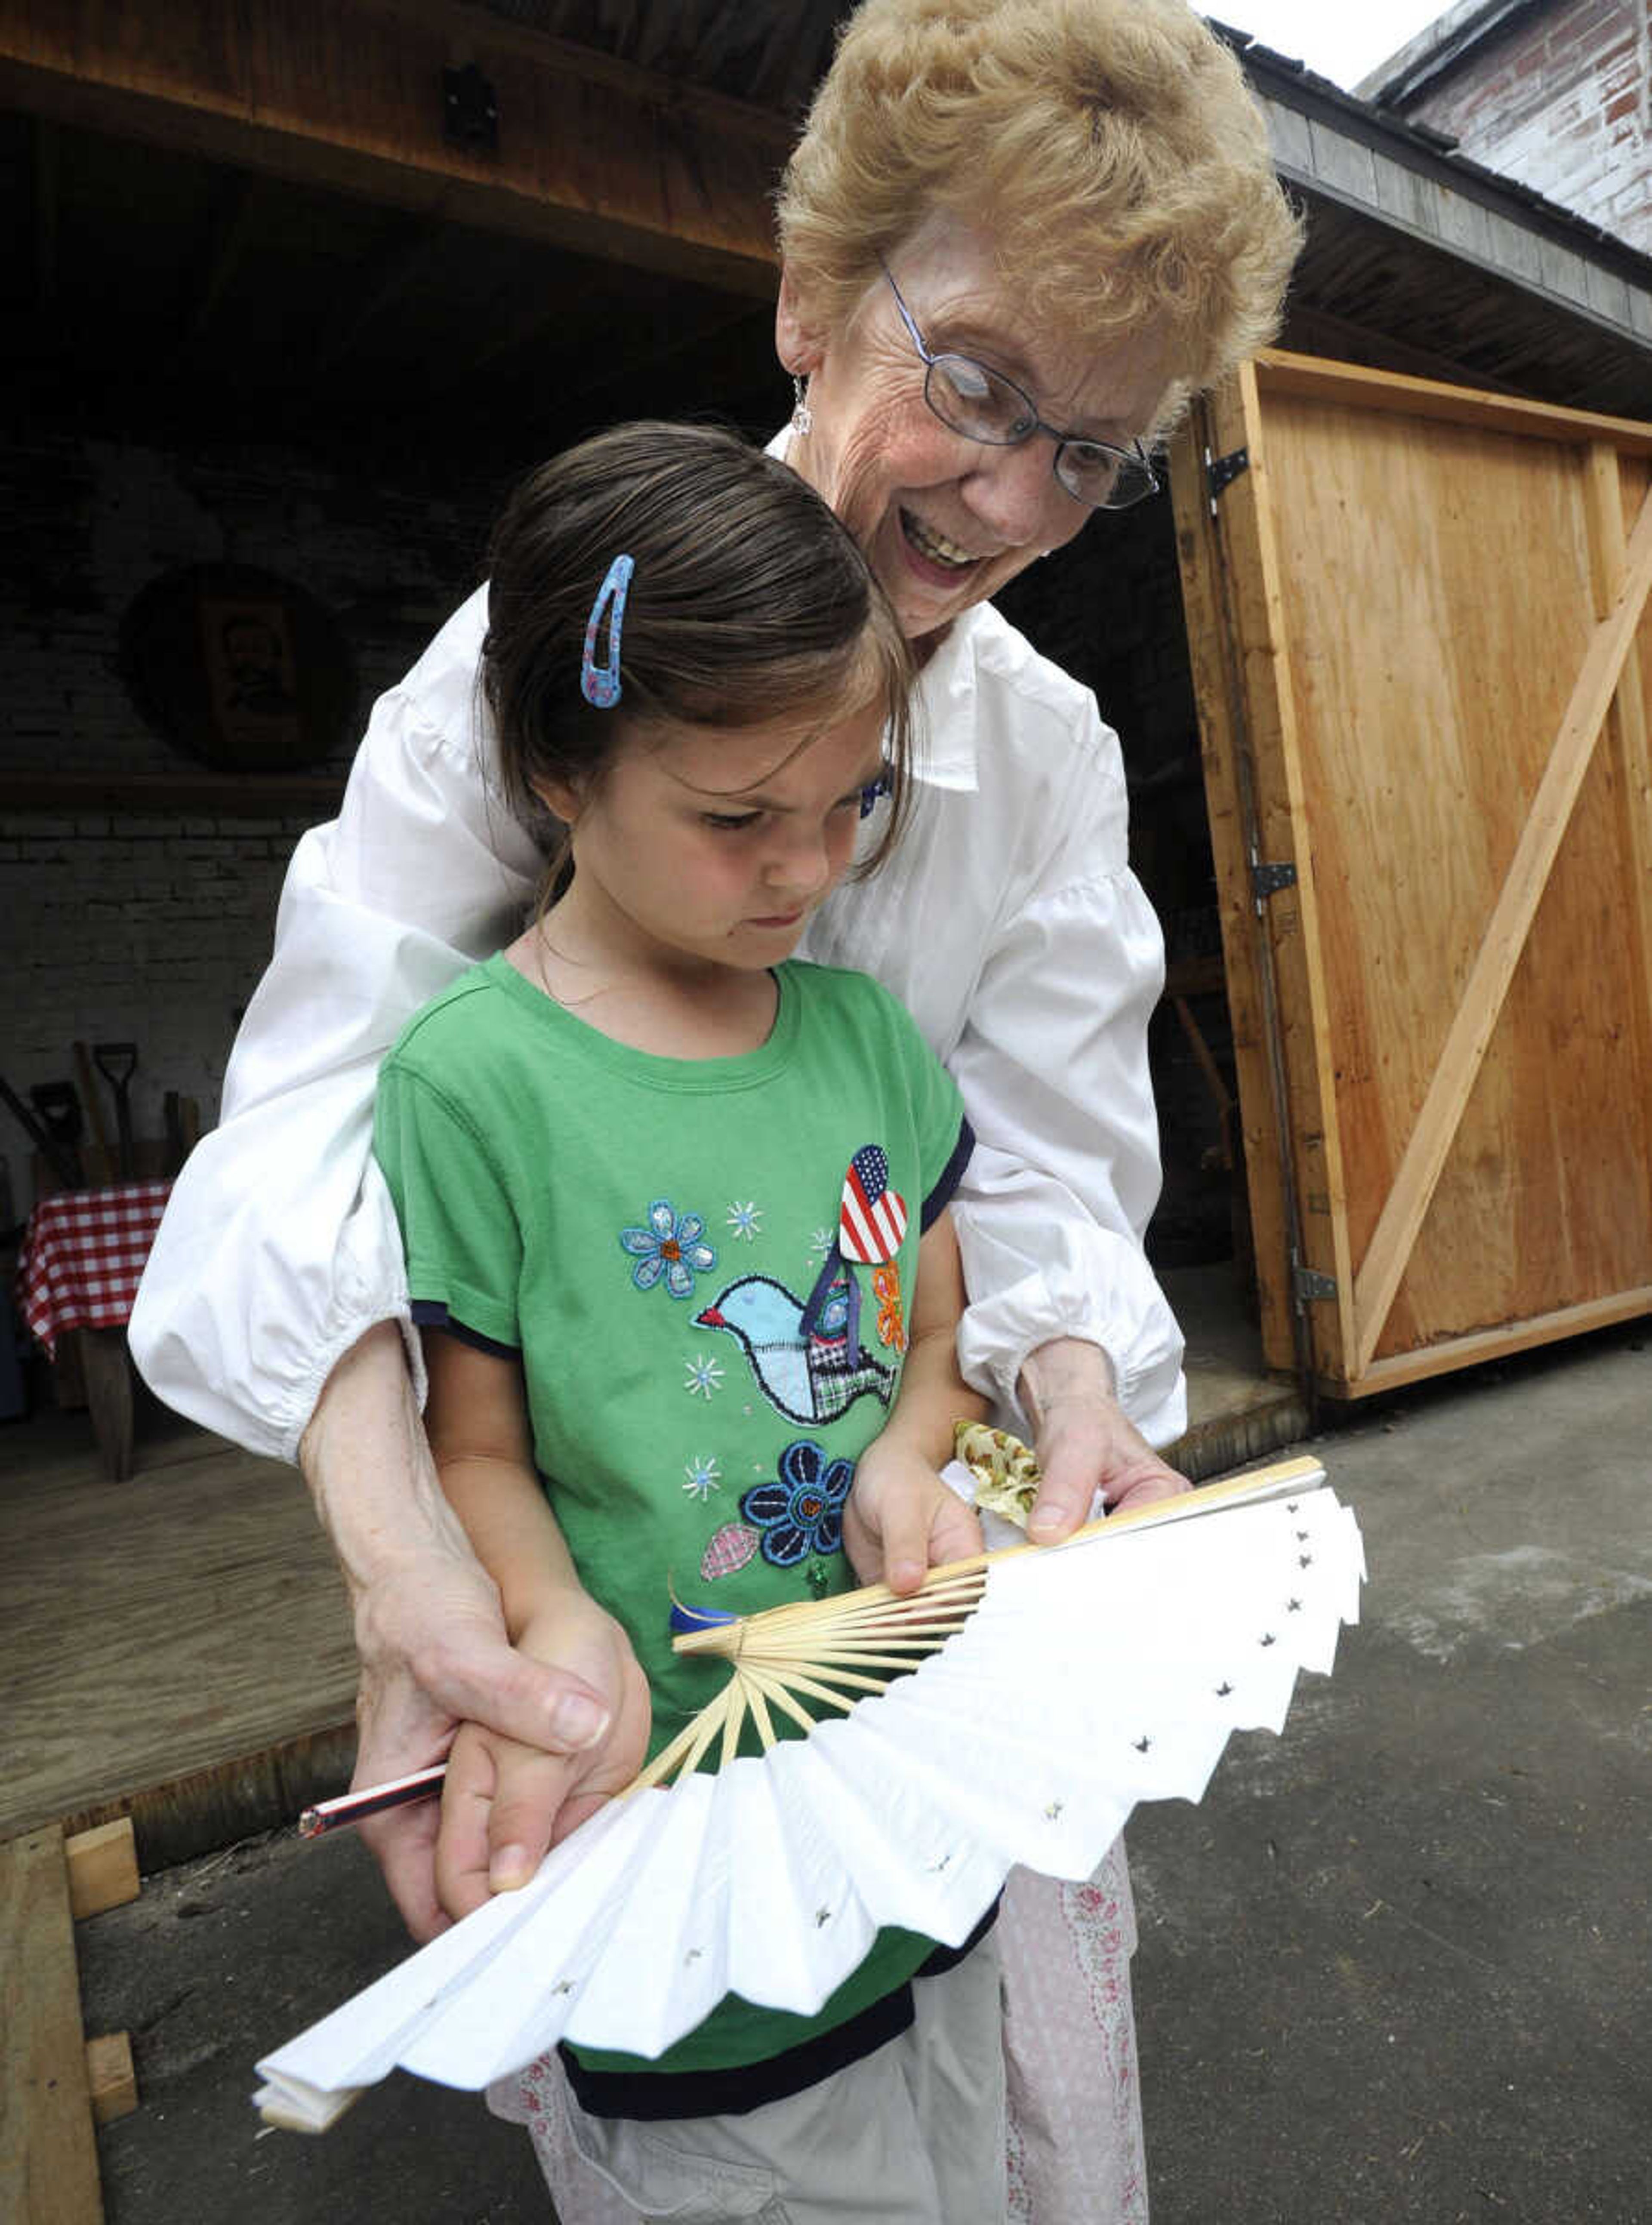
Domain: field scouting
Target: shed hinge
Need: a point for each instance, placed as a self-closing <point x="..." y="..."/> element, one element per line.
<point x="1267" y="880"/>
<point x="1308" y="1285"/>
<point x="1220" y="472"/>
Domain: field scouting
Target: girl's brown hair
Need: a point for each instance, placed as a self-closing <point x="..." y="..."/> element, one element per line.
<point x="749" y="601"/>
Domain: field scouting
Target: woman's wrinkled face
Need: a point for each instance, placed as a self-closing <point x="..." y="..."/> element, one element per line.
<point x="945" y="520"/>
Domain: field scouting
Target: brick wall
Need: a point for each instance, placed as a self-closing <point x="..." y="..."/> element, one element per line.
<point x="136" y="930"/>
<point x="1562" y="101"/>
<point x="155" y="927"/>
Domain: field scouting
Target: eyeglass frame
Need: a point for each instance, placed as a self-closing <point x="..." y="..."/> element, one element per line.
<point x="1135" y="454"/>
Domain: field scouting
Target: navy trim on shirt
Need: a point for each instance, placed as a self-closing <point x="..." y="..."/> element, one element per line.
<point x="648" y="2096"/>
<point x="431" y="1313"/>
<point x="942" y="1196"/>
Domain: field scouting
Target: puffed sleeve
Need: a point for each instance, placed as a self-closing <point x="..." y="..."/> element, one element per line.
<point x="1052" y="1208"/>
<point x="280" y="1247"/>
<point x="1051" y="1059"/>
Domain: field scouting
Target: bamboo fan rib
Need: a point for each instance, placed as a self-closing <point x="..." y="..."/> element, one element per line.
<point x="1013" y="1713"/>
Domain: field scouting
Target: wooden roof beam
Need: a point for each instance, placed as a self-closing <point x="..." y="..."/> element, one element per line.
<point x="593" y="155"/>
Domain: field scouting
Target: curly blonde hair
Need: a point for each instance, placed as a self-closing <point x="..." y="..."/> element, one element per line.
<point x="1110" y="150"/>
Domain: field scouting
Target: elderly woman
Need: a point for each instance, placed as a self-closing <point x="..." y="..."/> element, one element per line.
<point x="1016" y="235"/>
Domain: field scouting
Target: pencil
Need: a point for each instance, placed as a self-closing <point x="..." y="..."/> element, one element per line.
<point x="372" y="1800"/>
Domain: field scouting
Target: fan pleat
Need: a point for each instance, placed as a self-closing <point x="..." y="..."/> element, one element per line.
<point x="916" y="1875"/>
<point x="560" y="1943"/>
<point x="806" y="1927"/>
<point x="620" y="2005"/>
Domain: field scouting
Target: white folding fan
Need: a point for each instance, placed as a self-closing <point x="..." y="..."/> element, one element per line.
<point x="1053" y="1688"/>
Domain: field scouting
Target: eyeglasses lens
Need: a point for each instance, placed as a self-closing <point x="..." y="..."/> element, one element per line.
<point x="976" y="403"/>
<point x="982" y="406"/>
<point x="1104" y="478"/>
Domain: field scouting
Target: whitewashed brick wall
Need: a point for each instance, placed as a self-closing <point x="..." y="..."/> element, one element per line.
<point x="1562" y="101"/>
<point x="146" y="930"/>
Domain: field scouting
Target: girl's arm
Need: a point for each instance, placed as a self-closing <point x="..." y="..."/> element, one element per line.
<point x="504" y="1803"/>
<point x="901" y="1519"/>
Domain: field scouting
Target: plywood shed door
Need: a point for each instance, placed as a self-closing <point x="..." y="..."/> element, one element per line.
<point x="1422" y="653"/>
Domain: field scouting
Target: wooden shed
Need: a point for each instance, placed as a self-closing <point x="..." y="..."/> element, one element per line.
<point x="357" y="262"/>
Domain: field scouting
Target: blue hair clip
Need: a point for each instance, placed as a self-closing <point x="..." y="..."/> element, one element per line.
<point x="871" y="793"/>
<point x="599" y="683"/>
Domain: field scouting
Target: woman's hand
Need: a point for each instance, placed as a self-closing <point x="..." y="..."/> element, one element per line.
<point x="901" y="1519"/>
<point x="429" y="1626"/>
<point x="504" y="1803"/>
<point x="1083" y="1442"/>
<point x="434" y="1655"/>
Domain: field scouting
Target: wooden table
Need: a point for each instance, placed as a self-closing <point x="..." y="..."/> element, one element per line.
<point x="83" y="1253"/>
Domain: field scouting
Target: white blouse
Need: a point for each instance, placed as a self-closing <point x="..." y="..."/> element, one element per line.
<point x="1008" y="922"/>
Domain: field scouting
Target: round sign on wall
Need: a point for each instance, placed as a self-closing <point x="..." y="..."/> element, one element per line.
<point x="239" y="668"/>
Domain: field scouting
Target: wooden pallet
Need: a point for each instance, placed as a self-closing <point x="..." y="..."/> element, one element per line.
<point x="55" y="2085"/>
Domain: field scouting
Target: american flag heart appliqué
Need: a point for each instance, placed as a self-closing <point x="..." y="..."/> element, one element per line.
<point x="873" y="1218"/>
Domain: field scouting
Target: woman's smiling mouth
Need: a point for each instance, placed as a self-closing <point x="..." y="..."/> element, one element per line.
<point x="934" y="547"/>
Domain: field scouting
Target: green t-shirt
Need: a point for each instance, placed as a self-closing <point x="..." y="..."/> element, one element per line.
<point x="707" y="1267"/>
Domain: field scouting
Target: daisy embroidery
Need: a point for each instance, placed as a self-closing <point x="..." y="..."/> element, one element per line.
<point x="669" y="1248"/>
<point x="703" y="1477"/>
<point x="705" y="1375"/>
<point x="745" y="1221"/>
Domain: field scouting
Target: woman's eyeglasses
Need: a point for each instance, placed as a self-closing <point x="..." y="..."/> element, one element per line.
<point x="983" y="405"/>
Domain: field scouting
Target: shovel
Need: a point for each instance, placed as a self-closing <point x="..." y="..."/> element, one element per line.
<point x="63" y="1163"/>
<point x="59" y="1109"/>
<point x="117" y="1062"/>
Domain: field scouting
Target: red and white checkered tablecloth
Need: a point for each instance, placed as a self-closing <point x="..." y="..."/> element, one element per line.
<point x="83" y="1254"/>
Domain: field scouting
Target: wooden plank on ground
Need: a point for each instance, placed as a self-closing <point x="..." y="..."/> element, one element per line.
<point x="110" y="2076"/>
<point x="49" y="2154"/>
<point x="103" y="1868"/>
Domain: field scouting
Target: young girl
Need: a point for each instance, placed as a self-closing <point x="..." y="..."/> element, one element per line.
<point x="674" y="1213"/>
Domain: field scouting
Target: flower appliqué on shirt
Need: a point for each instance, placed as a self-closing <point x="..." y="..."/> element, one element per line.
<point x="669" y="1248"/>
<point x="745" y="1221"/>
<point x="801" y="1511"/>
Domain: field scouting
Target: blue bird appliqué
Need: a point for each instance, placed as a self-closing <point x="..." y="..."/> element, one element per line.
<point x="808" y="1377"/>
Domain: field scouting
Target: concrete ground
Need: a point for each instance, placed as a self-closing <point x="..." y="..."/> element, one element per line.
<point x="1394" y="1967"/>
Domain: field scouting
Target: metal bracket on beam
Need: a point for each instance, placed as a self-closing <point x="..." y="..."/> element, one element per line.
<point x="1267" y="880"/>
<point x="1308" y="1285"/>
<point x="1220" y="472"/>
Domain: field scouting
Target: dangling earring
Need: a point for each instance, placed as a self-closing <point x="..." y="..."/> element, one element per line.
<point x="802" y="415"/>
